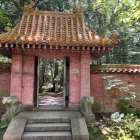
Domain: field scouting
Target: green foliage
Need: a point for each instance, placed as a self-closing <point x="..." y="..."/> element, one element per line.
<point x="2" y="93"/>
<point x="4" y="124"/>
<point x="123" y="105"/>
<point x="94" y="128"/>
<point x="96" y="133"/>
<point x="131" y="125"/>
<point x="105" y="16"/>
<point x="117" y="127"/>
<point x="96" y="106"/>
<point x="49" y="70"/>
<point x="4" y="59"/>
<point x="4" y="20"/>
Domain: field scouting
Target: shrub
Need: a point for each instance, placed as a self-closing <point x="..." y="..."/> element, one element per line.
<point x="2" y="93"/>
<point x="96" y="107"/>
<point x="119" y="125"/>
<point x="123" y="105"/>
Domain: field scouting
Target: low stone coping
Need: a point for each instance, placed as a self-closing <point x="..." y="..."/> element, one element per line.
<point x="79" y="129"/>
<point x="15" y="134"/>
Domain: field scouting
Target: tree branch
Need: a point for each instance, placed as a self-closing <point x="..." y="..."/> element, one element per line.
<point x="18" y="6"/>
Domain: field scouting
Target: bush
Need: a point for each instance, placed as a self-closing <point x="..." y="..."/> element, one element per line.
<point x="96" y="107"/>
<point x="120" y="125"/>
<point x="116" y="127"/>
<point x="131" y="126"/>
<point x="2" y="93"/>
<point x="123" y="106"/>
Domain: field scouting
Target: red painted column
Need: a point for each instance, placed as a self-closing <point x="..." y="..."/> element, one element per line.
<point x="74" y="79"/>
<point x="85" y="74"/>
<point x="16" y="75"/>
<point x="28" y="80"/>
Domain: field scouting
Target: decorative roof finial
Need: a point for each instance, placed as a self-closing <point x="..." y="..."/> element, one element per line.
<point x="29" y="7"/>
<point x="115" y="38"/>
<point x="93" y="34"/>
<point x="77" y="9"/>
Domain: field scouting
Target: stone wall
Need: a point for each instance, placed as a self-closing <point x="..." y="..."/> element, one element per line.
<point x="109" y="97"/>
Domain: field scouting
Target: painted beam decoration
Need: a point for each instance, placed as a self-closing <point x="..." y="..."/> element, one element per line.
<point x="55" y="30"/>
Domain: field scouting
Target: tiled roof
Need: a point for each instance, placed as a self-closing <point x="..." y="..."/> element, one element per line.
<point x="111" y="68"/>
<point x="55" y="29"/>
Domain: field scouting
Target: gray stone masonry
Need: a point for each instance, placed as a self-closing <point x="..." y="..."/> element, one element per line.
<point x="47" y="125"/>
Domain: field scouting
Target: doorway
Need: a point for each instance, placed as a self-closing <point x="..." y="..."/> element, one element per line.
<point x="53" y="83"/>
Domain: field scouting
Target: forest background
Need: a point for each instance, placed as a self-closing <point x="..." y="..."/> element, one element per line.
<point x="104" y="16"/>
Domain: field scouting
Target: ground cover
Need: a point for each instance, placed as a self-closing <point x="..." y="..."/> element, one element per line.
<point x="116" y="127"/>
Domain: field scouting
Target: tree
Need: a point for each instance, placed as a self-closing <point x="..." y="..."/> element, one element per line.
<point x="122" y="16"/>
<point x="106" y="16"/>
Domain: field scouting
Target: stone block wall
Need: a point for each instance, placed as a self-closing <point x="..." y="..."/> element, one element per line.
<point x="108" y="98"/>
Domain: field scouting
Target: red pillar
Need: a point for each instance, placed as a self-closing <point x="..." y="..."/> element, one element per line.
<point x="22" y="78"/>
<point x="74" y="79"/>
<point x="16" y="75"/>
<point x="85" y="74"/>
<point x="28" y="80"/>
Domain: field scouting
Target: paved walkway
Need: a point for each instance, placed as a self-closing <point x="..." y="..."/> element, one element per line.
<point x="49" y="100"/>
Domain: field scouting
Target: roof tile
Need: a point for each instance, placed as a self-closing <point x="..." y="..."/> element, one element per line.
<point x="55" y="28"/>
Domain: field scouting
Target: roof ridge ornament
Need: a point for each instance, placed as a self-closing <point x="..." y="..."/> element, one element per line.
<point x="115" y="38"/>
<point x="29" y="7"/>
<point x="93" y="34"/>
<point x="77" y="9"/>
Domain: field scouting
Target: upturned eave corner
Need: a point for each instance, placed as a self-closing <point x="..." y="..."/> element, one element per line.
<point x="29" y="7"/>
<point x="10" y="36"/>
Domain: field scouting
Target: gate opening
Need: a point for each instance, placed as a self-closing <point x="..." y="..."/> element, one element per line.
<point x="51" y="82"/>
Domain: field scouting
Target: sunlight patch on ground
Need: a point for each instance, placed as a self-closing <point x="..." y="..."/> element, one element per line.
<point x="49" y="100"/>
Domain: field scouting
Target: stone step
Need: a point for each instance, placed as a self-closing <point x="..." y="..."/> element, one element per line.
<point x="51" y="107"/>
<point x="48" y="120"/>
<point x="62" y="135"/>
<point x="41" y="127"/>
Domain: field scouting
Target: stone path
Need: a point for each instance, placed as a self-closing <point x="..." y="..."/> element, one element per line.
<point x="49" y="100"/>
